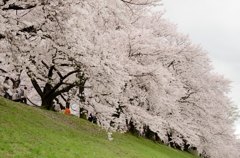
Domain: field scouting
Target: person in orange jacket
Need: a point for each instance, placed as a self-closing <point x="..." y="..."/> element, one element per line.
<point x="67" y="111"/>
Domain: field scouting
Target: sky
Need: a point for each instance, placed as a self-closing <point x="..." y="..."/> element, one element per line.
<point x="215" y="25"/>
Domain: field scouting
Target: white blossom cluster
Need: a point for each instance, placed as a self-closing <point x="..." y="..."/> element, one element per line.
<point x="121" y="61"/>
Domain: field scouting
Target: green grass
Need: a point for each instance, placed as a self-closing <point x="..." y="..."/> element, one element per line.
<point x="33" y="132"/>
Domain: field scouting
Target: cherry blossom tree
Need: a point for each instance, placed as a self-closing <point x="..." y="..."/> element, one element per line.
<point x="122" y="61"/>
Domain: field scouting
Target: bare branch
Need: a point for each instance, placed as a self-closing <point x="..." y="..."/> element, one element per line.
<point x="19" y="7"/>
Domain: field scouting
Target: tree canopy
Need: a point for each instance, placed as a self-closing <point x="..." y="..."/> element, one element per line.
<point x="122" y="60"/>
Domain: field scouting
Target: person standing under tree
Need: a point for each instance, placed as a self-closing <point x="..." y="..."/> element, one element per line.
<point x="67" y="111"/>
<point x="24" y="97"/>
<point x="16" y="97"/>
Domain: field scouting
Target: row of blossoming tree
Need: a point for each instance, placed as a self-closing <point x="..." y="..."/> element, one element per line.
<point x="122" y="60"/>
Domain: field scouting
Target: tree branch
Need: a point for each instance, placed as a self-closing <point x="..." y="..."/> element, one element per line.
<point x="45" y="64"/>
<point x="36" y="86"/>
<point x="3" y="70"/>
<point x="34" y="83"/>
<point x="66" y="89"/>
<point x="19" y="7"/>
<point x="61" y="82"/>
<point x="50" y="72"/>
<point x="58" y="72"/>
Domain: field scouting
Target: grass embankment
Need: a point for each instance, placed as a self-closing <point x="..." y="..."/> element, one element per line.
<point x="33" y="132"/>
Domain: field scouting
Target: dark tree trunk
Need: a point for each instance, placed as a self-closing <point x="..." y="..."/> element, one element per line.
<point x="47" y="99"/>
<point x="81" y="96"/>
<point x="50" y="92"/>
<point x="47" y="103"/>
<point x="132" y="129"/>
<point x="83" y="113"/>
<point x="68" y="104"/>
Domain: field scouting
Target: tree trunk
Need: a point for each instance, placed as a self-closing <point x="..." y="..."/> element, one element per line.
<point x="83" y="113"/>
<point x="47" y="103"/>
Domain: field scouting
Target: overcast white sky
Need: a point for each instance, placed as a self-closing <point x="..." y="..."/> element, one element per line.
<point x="215" y="25"/>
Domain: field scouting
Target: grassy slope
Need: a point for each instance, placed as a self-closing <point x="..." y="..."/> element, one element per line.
<point x="32" y="132"/>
